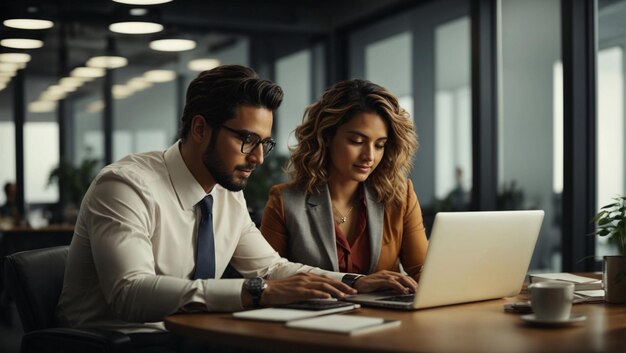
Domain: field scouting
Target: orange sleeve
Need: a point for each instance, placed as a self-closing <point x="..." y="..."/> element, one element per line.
<point x="414" y="241"/>
<point x="273" y="222"/>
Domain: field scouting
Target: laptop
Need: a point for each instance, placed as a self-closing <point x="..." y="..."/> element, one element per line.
<point x="471" y="256"/>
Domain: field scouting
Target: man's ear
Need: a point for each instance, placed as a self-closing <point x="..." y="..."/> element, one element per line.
<point x="200" y="130"/>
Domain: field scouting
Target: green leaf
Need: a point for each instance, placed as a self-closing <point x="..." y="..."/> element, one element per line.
<point x="610" y="206"/>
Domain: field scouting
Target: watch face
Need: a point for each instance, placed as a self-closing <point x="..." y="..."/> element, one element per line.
<point x="255" y="285"/>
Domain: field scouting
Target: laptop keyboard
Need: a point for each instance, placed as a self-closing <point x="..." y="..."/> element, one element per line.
<point x="404" y="298"/>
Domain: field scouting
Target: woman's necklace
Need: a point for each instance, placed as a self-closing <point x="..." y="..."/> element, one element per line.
<point x="342" y="219"/>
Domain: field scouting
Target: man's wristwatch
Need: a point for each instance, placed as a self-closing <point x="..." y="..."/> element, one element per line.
<point x="350" y="279"/>
<point x="255" y="287"/>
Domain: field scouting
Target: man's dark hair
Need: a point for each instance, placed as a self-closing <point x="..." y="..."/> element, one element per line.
<point x="7" y="186"/>
<point x="216" y="94"/>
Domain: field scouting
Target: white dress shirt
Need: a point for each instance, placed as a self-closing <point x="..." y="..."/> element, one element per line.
<point x="133" y="252"/>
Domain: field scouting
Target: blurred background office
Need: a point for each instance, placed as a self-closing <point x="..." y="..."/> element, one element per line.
<point x="518" y="104"/>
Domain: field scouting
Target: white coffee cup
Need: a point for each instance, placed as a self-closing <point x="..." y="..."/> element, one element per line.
<point x="552" y="300"/>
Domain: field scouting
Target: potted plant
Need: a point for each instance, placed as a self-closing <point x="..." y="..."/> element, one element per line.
<point x="75" y="181"/>
<point x="611" y="223"/>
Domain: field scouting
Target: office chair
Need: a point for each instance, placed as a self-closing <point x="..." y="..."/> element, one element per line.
<point x="34" y="280"/>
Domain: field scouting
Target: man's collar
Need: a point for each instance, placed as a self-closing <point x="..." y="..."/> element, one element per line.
<point x="187" y="188"/>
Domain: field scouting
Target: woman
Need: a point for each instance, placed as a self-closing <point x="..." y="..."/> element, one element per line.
<point x="350" y="206"/>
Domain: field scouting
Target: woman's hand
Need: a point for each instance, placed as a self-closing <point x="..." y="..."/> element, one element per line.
<point x="386" y="280"/>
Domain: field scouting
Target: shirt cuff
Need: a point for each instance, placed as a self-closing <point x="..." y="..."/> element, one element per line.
<point x="223" y="294"/>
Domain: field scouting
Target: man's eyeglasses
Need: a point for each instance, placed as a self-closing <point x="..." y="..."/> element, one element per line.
<point x="250" y="141"/>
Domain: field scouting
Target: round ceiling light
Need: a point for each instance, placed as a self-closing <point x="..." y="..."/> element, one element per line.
<point x="42" y="106"/>
<point x="28" y="23"/>
<point x="8" y="74"/>
<point x="17" y="58"/>
<point x="138" y="83"/>
<point x="95" y="106"/>
<point x="203" y="64"/>
<point x="158" y="76"/>
<point x="134" y="27"/>
<point x="71" y="82"/>
<point x="121" y="91"/>
<point x="107" y="62"/>
<point x="88" y="72"/>
<point x="172" y="44"/>
<point x="142" y="2"/>
<point x="21" y="43"/>
<point x="10" y="67"/>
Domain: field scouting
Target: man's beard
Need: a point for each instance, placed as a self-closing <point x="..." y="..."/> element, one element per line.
<point x="214" y="165"/>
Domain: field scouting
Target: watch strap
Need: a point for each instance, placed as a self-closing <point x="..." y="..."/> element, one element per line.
<point x="350" y="279"/>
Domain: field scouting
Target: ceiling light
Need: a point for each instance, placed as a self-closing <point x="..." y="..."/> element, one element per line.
<point x="138" y="83"/>
<point x="203" y="64"/>
<point x="42" y="107"/>
<point x="157" y="76"/>
<point x="21" y="43"/>
<point x="18" y="58"/>
<point x="121" y="91"/>
<point x="172" y="44"/>
<point x="71" y="82"/>
<point x="142" y="2"/>
<point x="28" y="23"/>
<point x="52" y="96"/>
<point x="95" y="107"/>
<point x="138" y="12"/>
<point x="88" y="72"/>
<point x="107" y="62"/>
<point x="135" y="27"/>
<point x="9" y="67"/>
<point x="8" y="74"/>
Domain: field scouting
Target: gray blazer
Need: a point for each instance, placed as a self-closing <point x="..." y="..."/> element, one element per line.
<point x="310" y="225"/>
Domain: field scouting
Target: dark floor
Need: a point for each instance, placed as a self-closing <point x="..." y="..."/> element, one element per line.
<point x="10" y="330"/>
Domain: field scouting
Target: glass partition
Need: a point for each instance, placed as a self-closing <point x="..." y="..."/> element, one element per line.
<point x="610" y="127"/>
<point x="530" y="119"/>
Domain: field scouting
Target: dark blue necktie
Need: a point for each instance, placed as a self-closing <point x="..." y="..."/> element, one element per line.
<point x="205" y="252"/>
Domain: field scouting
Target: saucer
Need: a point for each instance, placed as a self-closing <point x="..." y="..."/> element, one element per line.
<point x="530" y="318"/>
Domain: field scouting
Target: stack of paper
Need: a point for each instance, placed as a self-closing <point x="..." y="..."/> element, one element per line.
<point x="580" y="283"/>
<point x="344" y="324"/>
<point x="286" y="314"/>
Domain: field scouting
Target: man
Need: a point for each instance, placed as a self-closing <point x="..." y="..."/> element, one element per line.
<point x="9" y="209"/>
<point x="140" y="250"/>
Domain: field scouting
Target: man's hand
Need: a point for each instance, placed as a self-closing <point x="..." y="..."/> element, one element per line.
<point x="386" y="280"/>
<point x="303" y="286"/>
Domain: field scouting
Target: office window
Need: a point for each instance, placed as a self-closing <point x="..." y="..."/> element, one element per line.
<point x="293" y="74"/>
<point x="388" y="63"/>
<point x="423" y="57"/>
<point x="7" y="155"/>
<point x="150" y="116"/>
<point x="453" y="119"/>
<point x="529" y="118"/>
<point x="88" y="129"/>
<point x="610" y="126"/>
<point x="41" y="156"/>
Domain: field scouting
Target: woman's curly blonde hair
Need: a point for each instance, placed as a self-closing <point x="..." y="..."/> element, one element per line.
<point x="309" y="162"/>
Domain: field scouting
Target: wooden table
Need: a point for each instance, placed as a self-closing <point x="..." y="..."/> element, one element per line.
<point x="475" y="327"/>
